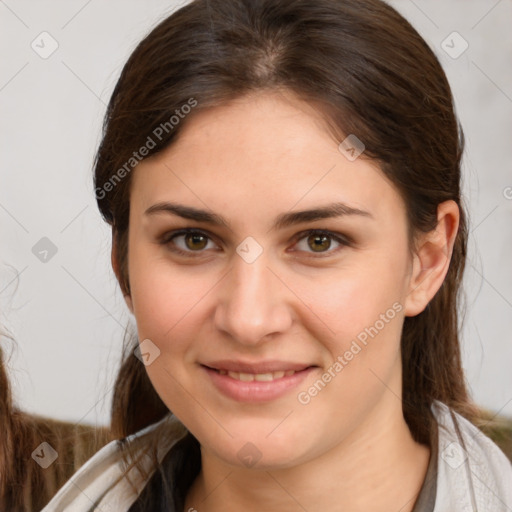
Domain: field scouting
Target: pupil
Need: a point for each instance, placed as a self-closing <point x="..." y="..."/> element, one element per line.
<point x="320" y="242"/>
<point x="193" y="239"/>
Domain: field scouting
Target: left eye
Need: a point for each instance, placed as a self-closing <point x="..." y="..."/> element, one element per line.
<point x="320" y="241"/>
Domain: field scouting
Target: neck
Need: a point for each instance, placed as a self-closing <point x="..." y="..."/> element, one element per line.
<point x="379" y="467"/>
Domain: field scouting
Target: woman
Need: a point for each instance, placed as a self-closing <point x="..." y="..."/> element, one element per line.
<point x="282" y="179"/>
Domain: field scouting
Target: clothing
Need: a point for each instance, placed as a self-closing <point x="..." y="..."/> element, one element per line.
<point x="471" y="473"/>
<point x="187" y="449"/>
<point x="426" y="500"/>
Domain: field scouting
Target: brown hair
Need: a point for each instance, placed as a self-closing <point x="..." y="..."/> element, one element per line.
<point x="25" y="486"/>
<point x="369" y="73"/>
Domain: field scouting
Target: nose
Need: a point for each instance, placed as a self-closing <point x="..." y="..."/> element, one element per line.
<point x="252" y="302"/>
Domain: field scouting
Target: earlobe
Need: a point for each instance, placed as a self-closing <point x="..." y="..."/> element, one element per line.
<point x="431" y="259"/>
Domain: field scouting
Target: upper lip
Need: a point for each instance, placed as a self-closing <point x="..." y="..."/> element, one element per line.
<point x="256" y="367"/>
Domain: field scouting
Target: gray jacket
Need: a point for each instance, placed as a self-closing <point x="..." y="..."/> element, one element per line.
<point x="473" y="474"/>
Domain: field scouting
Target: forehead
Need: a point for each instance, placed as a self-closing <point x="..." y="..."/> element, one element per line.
<point x="263" y="152"/>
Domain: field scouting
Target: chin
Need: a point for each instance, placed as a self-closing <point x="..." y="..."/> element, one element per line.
<point x="258" y="452"/>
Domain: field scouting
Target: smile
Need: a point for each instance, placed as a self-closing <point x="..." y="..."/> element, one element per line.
<point x="255" y="387"/>
<point x="260" y="377"/>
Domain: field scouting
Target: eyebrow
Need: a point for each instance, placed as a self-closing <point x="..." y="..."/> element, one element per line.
<point x="283" y="220"/>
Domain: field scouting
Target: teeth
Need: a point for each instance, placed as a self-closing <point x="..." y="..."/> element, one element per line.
<point x="275" y="375"/>
<point x="261" y="377"/>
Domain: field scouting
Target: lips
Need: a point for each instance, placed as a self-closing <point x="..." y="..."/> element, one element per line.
<point x="255" y="368"/>
<point x="262" y="383"/>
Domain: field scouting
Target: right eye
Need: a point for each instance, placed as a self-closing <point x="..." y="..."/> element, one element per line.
<point x="186" y="241"/>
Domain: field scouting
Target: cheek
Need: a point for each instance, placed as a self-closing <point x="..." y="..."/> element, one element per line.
<point x="166" y="300"/>
<point x="351" y="300"/>
<point x="167" y="305"/>
<point x="362" y="307"/>
<point x="363" y="311"/>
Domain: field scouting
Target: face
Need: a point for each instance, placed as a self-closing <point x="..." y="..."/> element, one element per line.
<point x="268" y="327"/>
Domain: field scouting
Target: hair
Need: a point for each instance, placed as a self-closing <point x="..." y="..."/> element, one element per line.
<point x="24" y="485"/>
<point x="368" y="72"/>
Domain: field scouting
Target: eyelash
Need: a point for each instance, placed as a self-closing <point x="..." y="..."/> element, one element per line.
<point x="343" y="240"/>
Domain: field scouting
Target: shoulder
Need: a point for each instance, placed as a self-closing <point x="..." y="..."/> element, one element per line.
<point x="106" y="481"/>
<point x="473" y="473"/>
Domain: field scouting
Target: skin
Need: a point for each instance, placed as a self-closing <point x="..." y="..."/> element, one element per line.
<point x="257" y="157"/>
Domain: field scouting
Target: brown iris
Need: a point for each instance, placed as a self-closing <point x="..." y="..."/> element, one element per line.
<point x="195" y="241"/>
<point x="319" y="242"/>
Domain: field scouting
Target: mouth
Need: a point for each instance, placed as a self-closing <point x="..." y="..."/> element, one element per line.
<point x="260" y="377"/>
<point x="260" y="384"/>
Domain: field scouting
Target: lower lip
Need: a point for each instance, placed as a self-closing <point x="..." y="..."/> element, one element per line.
<point x="256" y="391"/>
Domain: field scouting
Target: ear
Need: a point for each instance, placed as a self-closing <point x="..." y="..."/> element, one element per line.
<point x="117" y="272"/>
<point x="431" y="259"/>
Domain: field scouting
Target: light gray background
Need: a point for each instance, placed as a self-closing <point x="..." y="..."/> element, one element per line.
<point x="67" y="315"/>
